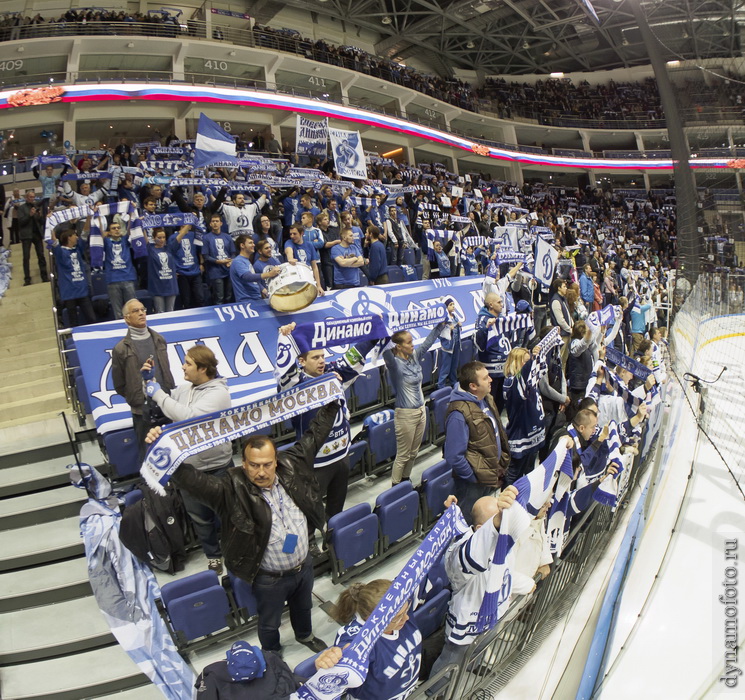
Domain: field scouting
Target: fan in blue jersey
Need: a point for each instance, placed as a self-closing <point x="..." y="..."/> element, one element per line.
<point x="247" y="282"/>
<point x="297" y="249"/>
<point x="217" y="252"/>
<point x="119" y="270"/>
<point x="395" y="660"/>
<point x="72" y="275"/>
<point x="161" y="273"/>
<point x="264" y="257"/>
<point x="331" y="463"/>
<point x="185" y="247"/>
<point x="526" y="428"/>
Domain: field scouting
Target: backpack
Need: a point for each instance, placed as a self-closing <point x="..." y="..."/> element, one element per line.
<point x="155" y="530"/>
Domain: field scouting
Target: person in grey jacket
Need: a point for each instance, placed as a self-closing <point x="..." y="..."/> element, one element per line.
<point x="203" y="392"/>
<point x="404" y="365"/>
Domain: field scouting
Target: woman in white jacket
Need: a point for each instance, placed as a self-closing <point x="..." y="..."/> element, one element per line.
<point x="203" y="392"/>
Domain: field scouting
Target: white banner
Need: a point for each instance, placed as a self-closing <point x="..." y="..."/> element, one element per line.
<point x="546" y="258"/>
<point x="349" y="156"/>
<point x="311" y="136"/>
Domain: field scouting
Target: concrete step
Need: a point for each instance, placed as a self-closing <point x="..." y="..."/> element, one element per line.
<point x="143" y="692"/>
<point x="41" y="507"/>
<point x="44" y="337"/>
<point x="38" y="544"/>
<point x="31" y="386"/>
<point x="85" y="675"/>
<point x="77" y="625"/>
<point x="25" y="474"/>
<point x="42" y="371"/>
<point x="43" y="585"/>
<point x="31" y="407"/>
<point x="29" y="358"/>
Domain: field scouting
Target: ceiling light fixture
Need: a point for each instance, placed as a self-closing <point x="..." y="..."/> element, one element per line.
<point x="470" y="45"/>
<point x="386" y="20"/>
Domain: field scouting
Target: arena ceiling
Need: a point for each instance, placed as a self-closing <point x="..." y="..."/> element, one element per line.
<point x="532" y="36"/>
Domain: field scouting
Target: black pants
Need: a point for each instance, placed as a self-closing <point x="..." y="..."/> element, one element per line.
<point x="38" y="245"/>
<point x="85" y="306"/>
<point x="333" y="480"/>
<point x="191" y="291"/>
<point x="14" y="236"/>
<point x="497" y="384"/>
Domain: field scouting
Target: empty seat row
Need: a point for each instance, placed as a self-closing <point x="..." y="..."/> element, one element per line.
<point x="360" y="536"/>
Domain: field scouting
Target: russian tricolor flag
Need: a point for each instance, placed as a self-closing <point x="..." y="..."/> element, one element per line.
<point x="213" y="144"/>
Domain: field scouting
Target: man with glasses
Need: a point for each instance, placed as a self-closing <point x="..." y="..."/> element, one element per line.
<point x="119" y="270"/>
<point x="141" y="354"/>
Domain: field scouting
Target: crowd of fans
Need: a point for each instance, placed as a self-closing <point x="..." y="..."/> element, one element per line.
<point x="546" y="100"/>
<point x="574" y="366"/>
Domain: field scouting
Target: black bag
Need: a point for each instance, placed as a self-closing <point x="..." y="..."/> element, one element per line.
<point x="155" y="529"/>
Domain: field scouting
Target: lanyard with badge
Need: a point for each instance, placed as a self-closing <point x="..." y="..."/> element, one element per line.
<point x="290" y="543"/>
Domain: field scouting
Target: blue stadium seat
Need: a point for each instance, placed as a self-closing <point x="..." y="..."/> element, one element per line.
<point x="409" y="257"/>
<point x="430" y="616"/>
<point x="427" y="434"/>
<point x="367" y="392"/>
<point x="439" y="401"/>
<point x="419" y="271"/>
<point x="122" y="452"/>
<point x="146" y="298"/>
<point x="307" y="668"/>
<point x="467" y="351"/>
<point x="243" y="594"/>
<point x="131" y="497"/>
<point x="398" y="514"/>
<point x="197" y="606"/>
<point x="358" y="460"/>
<point x="82" y="391"/>
<point x="353" y="541"/>
<point x="395" y="274"/>
<point x="437" y="485"/>
<point x="381" y="439"/>
<point x="98" y="284"/>
<point x="429" y="377"/>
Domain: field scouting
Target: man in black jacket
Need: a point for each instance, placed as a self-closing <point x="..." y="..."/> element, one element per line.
<point x="265" y="507"/>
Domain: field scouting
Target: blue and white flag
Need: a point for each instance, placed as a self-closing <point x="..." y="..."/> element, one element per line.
<point x="349" y="156"/>
<point x="311" y="136"/>
<point x="213" y="144"/>
<point x="546" y="257"/>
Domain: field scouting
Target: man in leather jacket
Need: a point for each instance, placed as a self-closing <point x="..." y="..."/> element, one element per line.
<point x="265" y="507"/>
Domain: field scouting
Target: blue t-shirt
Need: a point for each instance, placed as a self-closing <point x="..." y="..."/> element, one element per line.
<point x="186" y="253"/>
<point x="304" y="253"/>
<point x="245" y="280"/>
<point x="72" y="275"/>
<point x="260" y="266"/>
<point x="393" y="665"/>
<point x="161" y="272"/>
<point x="378" y="260"/>
<point x="118" y="265"/>
<point x="220" y="247"/>
<point x="346" y="275"/>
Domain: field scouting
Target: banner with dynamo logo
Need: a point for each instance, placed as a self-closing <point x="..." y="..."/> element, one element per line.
<point x="244" y="337"/>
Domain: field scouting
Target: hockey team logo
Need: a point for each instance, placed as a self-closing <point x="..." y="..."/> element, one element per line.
<point x="331" y="682"/>
<point x="346" y="154"/>
<point x="160" y="457"/>
<point x="548" y="266"/>
<point x="242" y="221"/>
<point x="356" y="302"/>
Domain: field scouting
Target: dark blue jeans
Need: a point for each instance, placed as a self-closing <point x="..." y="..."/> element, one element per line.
<point x="205" y="520"/>
<point x="271" y="594"/>
<point x="468" y="493"/>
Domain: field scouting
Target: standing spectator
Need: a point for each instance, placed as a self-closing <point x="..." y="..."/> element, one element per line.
<point x="185" y="246"/>
<point x="469" y="563"/>
<point x="526" y="429"/>
<point x="395" y="236"/>
<point x="141" y="344"/>
<point x="202" y="392"/>
<point x="10" y="214"/>
<point x="217" y="252"/>
<point x="265" y="507"/>
<point x="451" y="347"/>
<point x="119" y="270"/>
<point x="378" y="265"/>
<point x="161" y="273"/>
<point x="72" y="276"/>
<point x="240" y="215"/>
<point x="347" y="259"/>
<point x="200" y="205"/>
<point x="247" y="283"/>
<point x="476" y="446"/>
<point x="560" y="314"/>
<point x="31" y="233"/>
<point x="638" y="324"/>
<point x="299" y="250"/>
<point x="404" y="364"/>
<point x="586" y="291"/>
<point x="583" y="354"/>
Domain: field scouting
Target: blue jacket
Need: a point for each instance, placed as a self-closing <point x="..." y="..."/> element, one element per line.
<point x="586" y="289"/>
<point x="378" y="261"/>
<point x="638" y="318"/>
<point x="456" y="436"/>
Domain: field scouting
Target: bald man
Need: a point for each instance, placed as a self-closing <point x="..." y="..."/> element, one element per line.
<point x="472" y="571"/>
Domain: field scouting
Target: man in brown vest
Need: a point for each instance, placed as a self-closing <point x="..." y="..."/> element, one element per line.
<point x="476" y="446"/>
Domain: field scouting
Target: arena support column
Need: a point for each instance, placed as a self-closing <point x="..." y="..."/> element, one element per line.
<point x="690" y="246"/>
